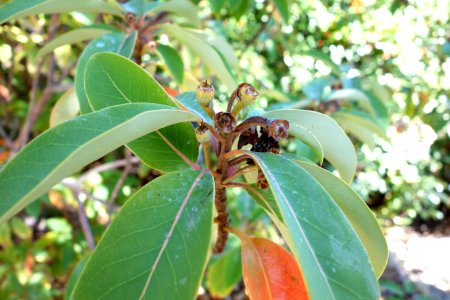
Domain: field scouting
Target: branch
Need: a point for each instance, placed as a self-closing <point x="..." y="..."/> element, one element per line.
<point x="122" y="178"/>
<point x="85" y="227"/>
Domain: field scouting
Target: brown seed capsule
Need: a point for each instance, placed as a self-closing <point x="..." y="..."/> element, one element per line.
<point x="247" y="93"/>
<point x="203" y="134"/>
<point x="278" y="129"/>
<point x="224" y="122"/>
<point x="205" y="93"/>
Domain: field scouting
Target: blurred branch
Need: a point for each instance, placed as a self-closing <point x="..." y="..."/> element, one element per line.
<point x="256" y="35"/>
<point x="108" y="166"/>
<point x="122" y="178"/>
<point x="36" y="105"/>
<point x="85" y="227"/>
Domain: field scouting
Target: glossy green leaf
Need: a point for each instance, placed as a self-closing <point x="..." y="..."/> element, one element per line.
<point x="308" y="138"/>
<point x="283" y="8"/>
<point x="111" y="80"/>
<point x="337" y="147"/>
<point x="225" y="272"/>
<point x="25" y="8"/>
<point x="75" y="36"/>
<point x="207" y="54"/>
<point x="112" y="42"/>
<point x="157" y="246"/>
<point x="182" y="8"/>
<point x="173" y="61"/>
<point x="334" y="262"/>
<point x="361" y="118"/>
<point x="66" y="108"/>
<point x="358" y="214"/>
<point x="189" y="101"/>
<point x="325" y="59"/>
<point x="66" y="148"/>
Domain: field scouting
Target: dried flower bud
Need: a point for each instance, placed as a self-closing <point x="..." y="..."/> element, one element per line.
<point x="205" y="93"/>
<point x="203" y="134"/>
<point x="278" y="129"/>
<point x="247" y="93"/>
<point x="224" y="122"/>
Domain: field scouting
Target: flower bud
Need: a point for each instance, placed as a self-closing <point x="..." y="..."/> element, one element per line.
<point x="203" y="134"/>
<point x="224" y="122"/>
<point x="247" y="93"/>
<point x="205" y="93"/>
<point x="278" y="129"/>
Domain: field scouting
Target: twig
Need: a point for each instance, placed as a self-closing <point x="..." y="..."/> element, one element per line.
<point x="35" y="106"/>
<point x="207" y="154"/>
<point x="85" y="227"/>
<point x="122" y="178"/>
<point x="108" y="166"/>
<point x="76" y="187"/>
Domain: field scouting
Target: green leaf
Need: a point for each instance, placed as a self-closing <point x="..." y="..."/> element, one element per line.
<point x="74" y="277"/>
<point x="353" y="95"/>
<point x="189" y="101"/>
<point x="111" y="79"/>
<point x="173" y="61"/>
<point x="358" y="214"/>
<point x="361" y="118"/>
<point x="359" y="131"/>
<point x="113" y="42"/>
<point x="207" y="54"/>
<point x="239" y="7"/>
<point x="66" y="108"/>
<point x="20" y="229"/>
<point x="66" y="148"/>
<point x="337" y="147"/>
<point x="75" y="36"/>
<point x="157" y="246"/>
<point x="220" y="45"/>
<point x="335" y="264"/>
<point x="282" y="7"/>
<point x="216" y="6"/>
<point x="325" y="59"/>
<point x="24" y="8"/>
<point x="182" y="8"/>
<point x="308" y="138"/>
<point x="225" y="272"/>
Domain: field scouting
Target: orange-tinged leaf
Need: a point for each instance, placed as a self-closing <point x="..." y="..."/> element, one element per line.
<point x="270" y="271"/>
<point x="170" y="91"/>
